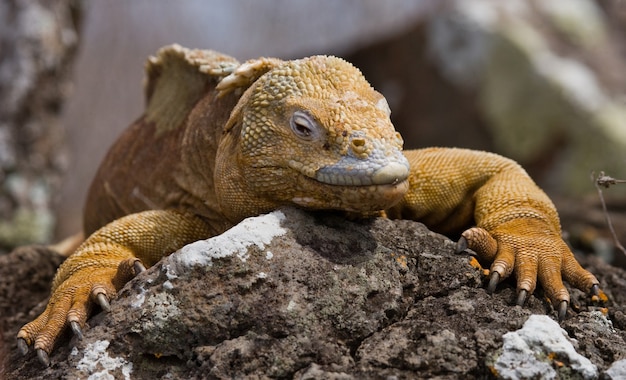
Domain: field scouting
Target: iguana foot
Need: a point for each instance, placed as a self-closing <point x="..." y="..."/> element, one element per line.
<point x="534" y="253"/>
<point x="71" y="303"/>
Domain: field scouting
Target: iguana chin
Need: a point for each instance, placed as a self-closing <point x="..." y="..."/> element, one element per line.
<point x="220" y="141"/>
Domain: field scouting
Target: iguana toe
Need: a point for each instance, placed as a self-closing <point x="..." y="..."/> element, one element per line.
<point x="480" y="241"/>
<point x="534" y="254"/>
<point x="555" y="291"/>
<point x="577" y="275"/>
<point x="70" y="305"/>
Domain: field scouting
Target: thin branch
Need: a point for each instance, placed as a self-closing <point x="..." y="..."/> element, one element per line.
<point x="606" y="181"/>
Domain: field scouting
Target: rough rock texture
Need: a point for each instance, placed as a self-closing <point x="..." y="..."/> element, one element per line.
<point x="37" y="43"/>
<point x="297" y="295"/>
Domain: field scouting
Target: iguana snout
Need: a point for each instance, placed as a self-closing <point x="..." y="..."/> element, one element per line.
<point x="380" y="166"/>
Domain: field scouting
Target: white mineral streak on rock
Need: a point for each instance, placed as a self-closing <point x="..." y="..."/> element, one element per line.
<point x="259" y="231"/>
<point x="139" y="297"/>
<point x="96" y="358"/>
<point x="526" y="352"/>
<point x="167" y="285"/>
<point x="617" y="370"/>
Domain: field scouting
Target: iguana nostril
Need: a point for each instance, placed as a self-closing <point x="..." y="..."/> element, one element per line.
<point x="358" y="146"/>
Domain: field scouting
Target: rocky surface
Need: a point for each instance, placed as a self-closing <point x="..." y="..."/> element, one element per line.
<point x="297" y="295"/>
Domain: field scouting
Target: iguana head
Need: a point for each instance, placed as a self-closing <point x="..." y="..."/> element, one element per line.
<point x="315" y="133"/>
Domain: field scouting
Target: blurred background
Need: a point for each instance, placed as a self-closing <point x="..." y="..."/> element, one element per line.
<point x="542" y="82"/>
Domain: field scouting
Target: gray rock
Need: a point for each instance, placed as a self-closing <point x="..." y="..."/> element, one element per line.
<point x="298" y="295"/>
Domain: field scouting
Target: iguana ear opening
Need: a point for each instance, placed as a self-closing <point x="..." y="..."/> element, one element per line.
<point x="177" y="78"/>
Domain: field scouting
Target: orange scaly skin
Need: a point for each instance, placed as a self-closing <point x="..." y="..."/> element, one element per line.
<point x="517" y="226"/>
<point x="224" y="141"/>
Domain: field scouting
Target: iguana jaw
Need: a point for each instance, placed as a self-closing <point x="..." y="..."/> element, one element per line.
<point x="348" y="198"/>
<point x="372" y="182"/>
<point x="353" y="185"/>
<point x="351" y="172"/>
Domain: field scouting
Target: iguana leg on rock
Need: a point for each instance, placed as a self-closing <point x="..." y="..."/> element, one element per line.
<point x="102" y="265"/>
<point x="517" y="226"/>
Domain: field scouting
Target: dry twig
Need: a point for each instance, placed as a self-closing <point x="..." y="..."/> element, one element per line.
<point x="606" y="181"/>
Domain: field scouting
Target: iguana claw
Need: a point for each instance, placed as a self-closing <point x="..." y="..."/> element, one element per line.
<point x="76" y="330"/>
<point x="461" y="245"/>
<point x="521" y="297"/>
<point x="102" y="300"/>
<point x="562" y="310"/>
<point x="138" y="267"/>
<point x="493" y="282"/>
<point x="43" y="357"/>
<point x="22" y="346"/>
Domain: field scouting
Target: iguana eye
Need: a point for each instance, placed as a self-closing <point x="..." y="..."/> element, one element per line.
<point x="304" y="126"/>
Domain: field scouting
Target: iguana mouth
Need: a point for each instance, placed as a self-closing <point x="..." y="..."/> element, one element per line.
<point x="356" y="198"/>
<point x="350" y="171"/>
<point x="389" y="174"/>
<point x="353" y="184"/>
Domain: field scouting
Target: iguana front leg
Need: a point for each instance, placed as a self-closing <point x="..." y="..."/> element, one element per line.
<point x="517" y="226"/>
<point x="108" y="259"/>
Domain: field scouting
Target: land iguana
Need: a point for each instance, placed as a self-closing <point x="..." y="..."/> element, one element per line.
<point x="221" y="141"/>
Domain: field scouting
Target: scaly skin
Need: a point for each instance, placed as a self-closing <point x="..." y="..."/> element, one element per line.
<point x="225" y="141"/>
<point x="517" y="226"/>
